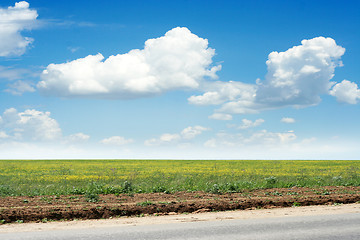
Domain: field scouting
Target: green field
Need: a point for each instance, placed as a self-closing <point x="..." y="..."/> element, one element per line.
<point x="59" y="177"/>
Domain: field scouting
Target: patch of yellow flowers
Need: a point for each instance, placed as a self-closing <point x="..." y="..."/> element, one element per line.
<point x="24" y="171"/>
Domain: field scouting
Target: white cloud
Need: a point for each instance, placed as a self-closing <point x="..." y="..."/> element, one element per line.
<point x="250" y="124"/>
<point x="220" y="92"/>
<point x="10" y="73"/>
<point x="211" y="143"/>
<point x="308" y="140"/>
<point x="116" y="140"/>
<point x="221" y="116"/>
<point x="73" y="49"/>
<point x="191" y="132"/>
<point x="29" y="125"/>
<point x="259" y="138"/>
<point x="78" y="137"/>
<point x="296" y="77"/>
<point x="346" y="91"/>
<point x="13" y="21"/>
<point x="271" y="138"/>
<point x="185" y="135"/>
<point x="287" y="120"/>
<point x="165" y="138"/>
<point x="178" y="60"/>
<point x="3" y="135"/>
<point x="19" y="87"/>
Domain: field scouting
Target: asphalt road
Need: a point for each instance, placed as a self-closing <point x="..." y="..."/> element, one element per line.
<point x="338" y="226"/>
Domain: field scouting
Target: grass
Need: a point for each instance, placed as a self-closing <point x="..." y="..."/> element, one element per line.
<point x="93" y="177"/>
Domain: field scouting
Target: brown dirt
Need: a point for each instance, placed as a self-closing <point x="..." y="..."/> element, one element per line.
<point x="46" y="208"/>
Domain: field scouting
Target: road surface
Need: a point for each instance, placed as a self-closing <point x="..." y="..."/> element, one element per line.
<point x="332" y="226"/>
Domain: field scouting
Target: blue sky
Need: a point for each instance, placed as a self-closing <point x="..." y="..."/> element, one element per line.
<point x="179" y="79"/>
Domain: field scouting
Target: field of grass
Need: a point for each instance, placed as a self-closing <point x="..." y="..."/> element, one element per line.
<point x="61" y="177"/>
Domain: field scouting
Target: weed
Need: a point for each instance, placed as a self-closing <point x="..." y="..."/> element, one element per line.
<point x="215" y="189"/>
<point x="73" y="198"/>
<point x="127" y="188"/>
<point x="296" y="204"/>
<point x="143" y="204"/>
<point x="270" y="181"/>
<point x="92" y="197"/>
<point x="6" y="190"/>
<point x="276" y="193"/>
<point x="292" y="193"/>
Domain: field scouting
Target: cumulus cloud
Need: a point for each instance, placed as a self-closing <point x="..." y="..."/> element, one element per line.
<point x="346" y="91"/>
<point x="13" y="20"/>
<point x="177" y="60"/>
<point x="116" y="140"/>
<point x="287" y="120"/>
<point x="250" y="124"/>
<point x="296" y="77"/>
<point x="185" y="135"/>
<point x="30" y="125"/>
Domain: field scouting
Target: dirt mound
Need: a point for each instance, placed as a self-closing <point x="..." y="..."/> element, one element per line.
<point x="46" y="208"/>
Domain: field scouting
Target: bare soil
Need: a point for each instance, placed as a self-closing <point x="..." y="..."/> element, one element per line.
<point x="47" y="208"/>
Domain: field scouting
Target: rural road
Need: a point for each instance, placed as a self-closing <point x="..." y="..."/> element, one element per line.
<point x="323" y="226"/>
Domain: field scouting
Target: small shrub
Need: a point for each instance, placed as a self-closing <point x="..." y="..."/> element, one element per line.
<point x="158" y="189"/>
<point x="92" y="197"/>
<point x="270" y="181"/>
<point x="77" y="191"/>
<point x="5" y="190"/>
<point x="127" y="188"/>
<point x="215" y="189"/>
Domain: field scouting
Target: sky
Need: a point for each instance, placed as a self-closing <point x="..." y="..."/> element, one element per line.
<point x="179" y="79"/>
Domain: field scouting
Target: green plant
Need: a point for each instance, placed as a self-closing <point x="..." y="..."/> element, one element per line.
<point x="271" y="181"/>
<point x="296" y="204"/>
<point x="214" y="189"/>
<point x="6" y="190"/>
<point x="127" y="187"/>
<point x="143" y="204"/>
<point x="92" y="197"/>
<point x="337" y="204"/>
